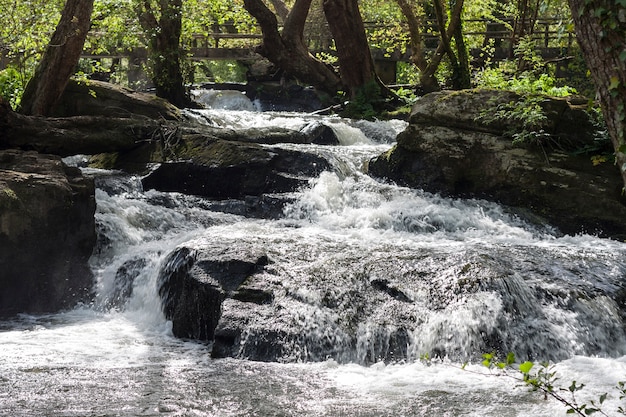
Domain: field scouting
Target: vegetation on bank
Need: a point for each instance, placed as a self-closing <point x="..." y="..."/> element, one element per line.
<point x="116" y="27"/>
<point x="328" y="45"/>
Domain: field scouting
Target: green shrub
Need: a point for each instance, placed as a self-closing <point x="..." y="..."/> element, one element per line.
<point x="11" y="86"/>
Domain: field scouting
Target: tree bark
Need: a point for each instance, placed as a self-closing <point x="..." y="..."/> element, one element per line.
<point x="428" y="68"/>
<point x="287" y="50"/>
<point x="165" y="54"/>
<point x="281" y="9"/>
<point x="355" y="59"/>
<point x="461" y="78"/>
<point x="416" y="40"/>
<point x="600" y="31"/>
<point x="59" y="60"/>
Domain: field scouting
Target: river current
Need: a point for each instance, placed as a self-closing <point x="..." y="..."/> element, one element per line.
<point x="559" y="301"/>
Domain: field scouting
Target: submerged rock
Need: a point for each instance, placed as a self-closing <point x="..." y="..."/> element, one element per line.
<point x="449" y="149"/>
<point x="47" y="233"/>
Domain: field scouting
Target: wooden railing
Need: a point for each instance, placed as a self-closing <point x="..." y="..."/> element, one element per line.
<point x="218" y="44"/>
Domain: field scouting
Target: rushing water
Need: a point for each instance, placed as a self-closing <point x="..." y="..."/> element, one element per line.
<point x="539" y="294"/>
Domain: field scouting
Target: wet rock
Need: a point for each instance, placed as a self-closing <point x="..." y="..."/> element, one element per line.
<point x="47" y="234"/>
<point x="291" y="97"/>
<point x="275" y="96"/>
<point x="222" y="169"/>
<point x="230" y="294"/>
<point x="98" y="98"/>
<point x="320" y="134"/>
<point x="195" y="282"/>
<point x="447" y="149"/>
<point x="123" y="283"/>
<point x="395" y="305"/>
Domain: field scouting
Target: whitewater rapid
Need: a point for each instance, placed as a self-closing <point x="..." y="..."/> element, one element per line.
<point x="117" y="356"/>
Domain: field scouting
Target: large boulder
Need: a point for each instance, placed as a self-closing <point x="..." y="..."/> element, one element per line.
<point x="230" y="293"/>
<point x="193" y="285"/>
<point x="222" y="169"/>
<point x="98" y="98"/>
<point x="448" y="148"/>
<point x="47" y="233"/>
<point x="249" y="299"/>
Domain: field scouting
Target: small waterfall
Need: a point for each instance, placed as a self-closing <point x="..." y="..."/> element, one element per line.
<point x="224" y="99"/>
<point x="371" y="271"/>
<point x="359" y="279"/>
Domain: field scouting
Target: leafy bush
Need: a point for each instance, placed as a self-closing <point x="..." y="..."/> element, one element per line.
<point x="526" y="114"/>
<point x="532" y="88"/>
<point x="11" y="86"/>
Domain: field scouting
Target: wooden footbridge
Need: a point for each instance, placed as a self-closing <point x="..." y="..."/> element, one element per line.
<point x="224" y="42"/>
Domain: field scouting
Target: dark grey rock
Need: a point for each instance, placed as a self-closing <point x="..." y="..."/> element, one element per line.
<point x="447" y="150"/>
<point x="47" y="234"/>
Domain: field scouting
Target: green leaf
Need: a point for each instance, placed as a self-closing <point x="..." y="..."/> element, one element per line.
<point x="526" y="367"/>
<point x="602" y="398"/>
<point x="622" y="55"/>
<point x="614" y="83"/>
<point x="622" y="149"/>
<point x="510" y="357"/>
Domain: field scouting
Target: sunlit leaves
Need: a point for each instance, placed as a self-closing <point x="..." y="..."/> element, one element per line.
<point x="526" y="367"/>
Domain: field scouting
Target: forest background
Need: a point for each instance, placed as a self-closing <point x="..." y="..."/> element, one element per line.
<point x="438" y="35"/>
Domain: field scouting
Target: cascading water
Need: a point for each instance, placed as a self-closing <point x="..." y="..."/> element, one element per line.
<point x="367" y="277"/>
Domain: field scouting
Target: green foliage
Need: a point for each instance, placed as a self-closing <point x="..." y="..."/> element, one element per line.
<point x="114" y="27"/>
<point x="406" y="94"/>
<point x="362" y="106"/>
<point x="12" y="86"/>
<point x="526" y="115"/>
<point x="24" y="33"/>
<point x="389" y="33"/>
<point x="544" y="379"/>
<point x="219" y="71"/>
<point x="503" y="78"/>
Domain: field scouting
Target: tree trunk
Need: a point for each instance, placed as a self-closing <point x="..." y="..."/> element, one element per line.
<point x="600" y="28"/>
<point x="59" y="60"/>
<point x="165" y="54"/>
<point x="418" y="56"/>
<point x="281" y="9"/>
<point x="355" y="59"/>
<point x="428" y="68"/>
<point x="287" y="50"/>
<point x="462" y="78"/>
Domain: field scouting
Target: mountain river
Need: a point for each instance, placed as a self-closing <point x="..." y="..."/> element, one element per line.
<point x="537" y="293"/>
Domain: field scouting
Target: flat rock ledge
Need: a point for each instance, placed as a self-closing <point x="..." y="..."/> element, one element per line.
<point x="448" y="149"/>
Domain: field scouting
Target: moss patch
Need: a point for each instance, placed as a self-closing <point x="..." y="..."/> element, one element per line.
<point x="8" y="199"/>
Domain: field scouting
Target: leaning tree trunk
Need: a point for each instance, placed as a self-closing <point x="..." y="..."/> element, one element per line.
<point x="59" y="60"/>
<point x="600" y="30"/>
<point x="428" y="66"/>
<point x="287" y="50"/>
<point x="355" y="59"/>
<point x="165" y="54"/>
